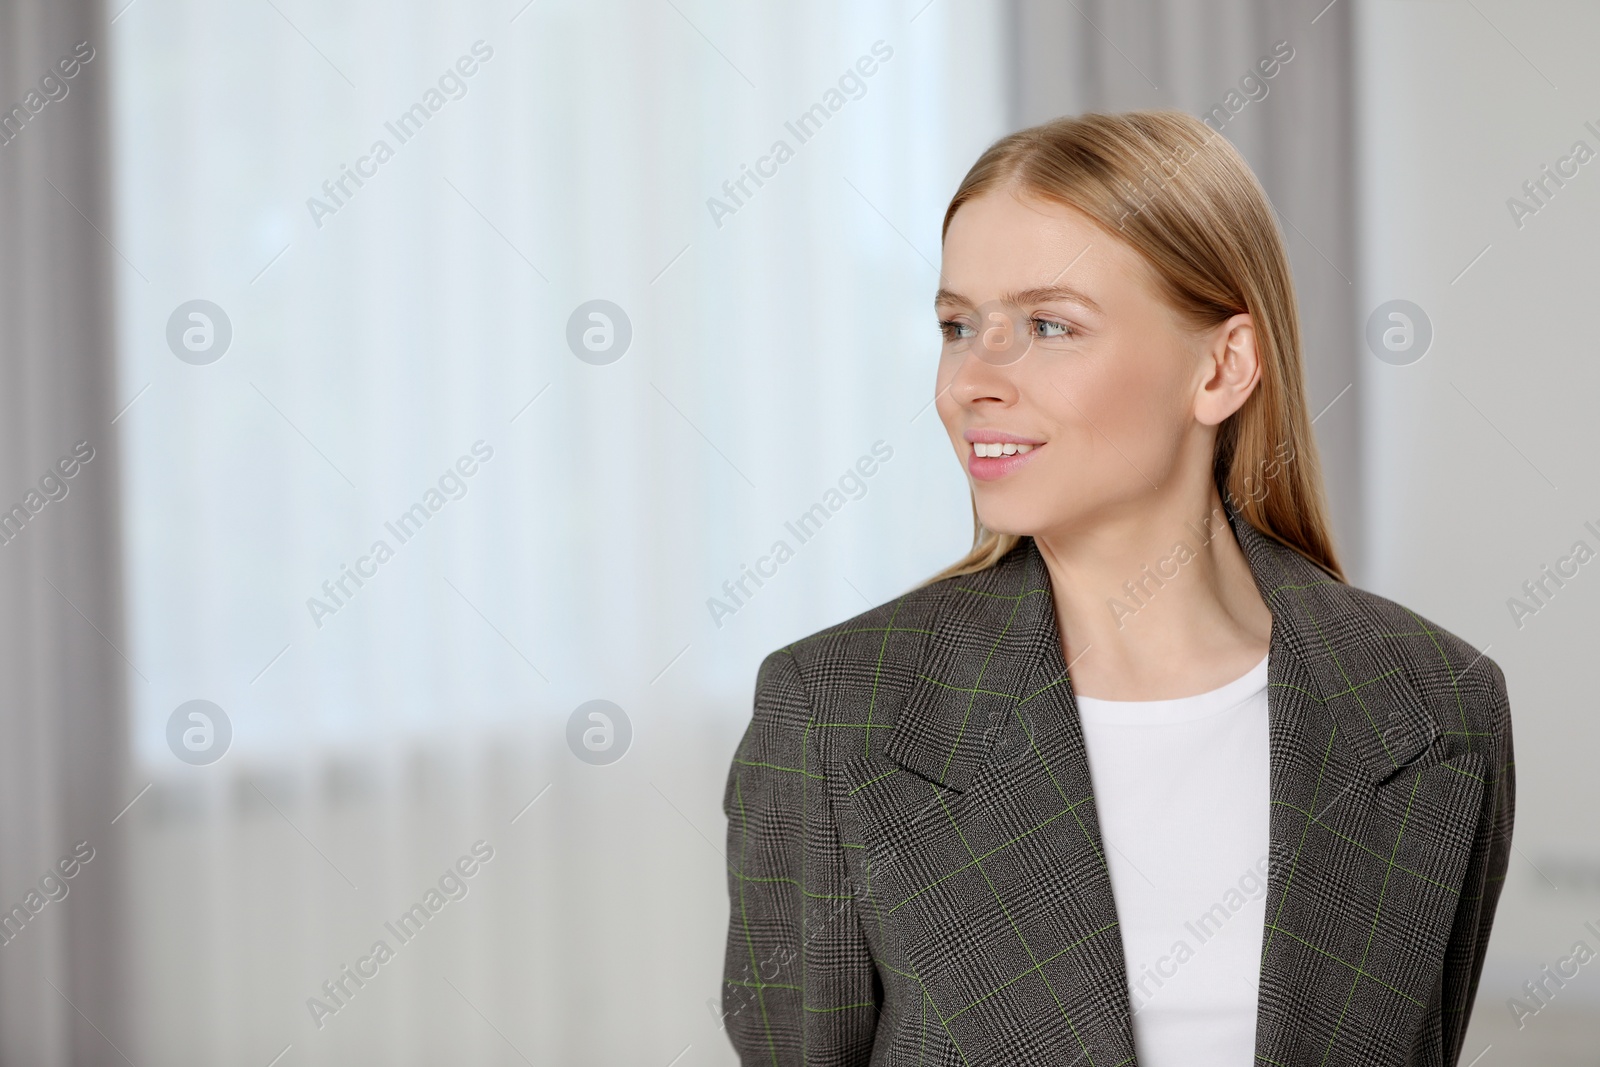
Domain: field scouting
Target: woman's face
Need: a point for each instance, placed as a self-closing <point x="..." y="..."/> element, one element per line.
<point x="1057" y="342"/>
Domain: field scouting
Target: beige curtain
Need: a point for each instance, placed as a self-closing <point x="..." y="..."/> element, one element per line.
<point x="1296" y="128"/>
<point x="61" y="671"/>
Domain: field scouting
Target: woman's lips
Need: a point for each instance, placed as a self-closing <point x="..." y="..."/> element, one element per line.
<point x="991" y="468"/>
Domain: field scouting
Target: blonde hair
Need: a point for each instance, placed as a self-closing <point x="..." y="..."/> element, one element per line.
<point x="1183" y="197"/>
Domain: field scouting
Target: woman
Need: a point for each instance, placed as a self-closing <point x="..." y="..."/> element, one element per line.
<point x="1141" y="776"/>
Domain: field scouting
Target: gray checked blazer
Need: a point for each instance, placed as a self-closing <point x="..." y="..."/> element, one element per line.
<point x="915" y="867"/>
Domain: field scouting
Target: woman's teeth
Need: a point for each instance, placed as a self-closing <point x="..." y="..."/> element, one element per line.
<point x="996" y="448"/>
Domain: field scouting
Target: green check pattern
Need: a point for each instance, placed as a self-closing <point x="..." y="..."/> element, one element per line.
<point x="916" y="873"/>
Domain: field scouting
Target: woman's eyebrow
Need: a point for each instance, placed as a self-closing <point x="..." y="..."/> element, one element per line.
<point x="1039" y="295"/>
<point x="1047" y="293"/>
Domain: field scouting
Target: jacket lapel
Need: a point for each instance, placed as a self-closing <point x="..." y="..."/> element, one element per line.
<point x="985" y="877"/>
<point x="987" y="881"/>
<point x="1371" y="823"/>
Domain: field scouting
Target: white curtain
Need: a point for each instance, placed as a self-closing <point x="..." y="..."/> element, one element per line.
<point x="403" y="340"/>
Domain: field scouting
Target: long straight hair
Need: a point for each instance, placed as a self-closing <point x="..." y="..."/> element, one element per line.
<point x="1182" y="196"/>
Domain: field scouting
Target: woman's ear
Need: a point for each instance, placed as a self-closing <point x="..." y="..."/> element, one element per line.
<point x="1230" y="370"/>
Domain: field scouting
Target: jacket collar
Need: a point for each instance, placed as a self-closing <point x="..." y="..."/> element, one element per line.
<point x="1010" y="610"/>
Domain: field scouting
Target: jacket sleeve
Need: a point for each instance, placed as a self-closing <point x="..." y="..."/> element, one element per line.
<point x="1486" y="875"/>
<point x="799" y="983"/>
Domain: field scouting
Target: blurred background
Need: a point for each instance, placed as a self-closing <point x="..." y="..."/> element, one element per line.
<point x="571" y="308"/>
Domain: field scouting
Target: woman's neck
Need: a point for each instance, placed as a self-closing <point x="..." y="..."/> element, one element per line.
<point x="1156" y="602"/>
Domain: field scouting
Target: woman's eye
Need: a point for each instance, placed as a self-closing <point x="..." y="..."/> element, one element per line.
<point x="954" y="331"/>
<point x="1047" y="328"/>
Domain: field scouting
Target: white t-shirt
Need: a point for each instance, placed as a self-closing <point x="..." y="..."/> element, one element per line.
<point x="1181" y="789"/>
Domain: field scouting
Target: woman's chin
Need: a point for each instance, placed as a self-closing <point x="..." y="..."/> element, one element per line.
<point x="1018" y="521"/>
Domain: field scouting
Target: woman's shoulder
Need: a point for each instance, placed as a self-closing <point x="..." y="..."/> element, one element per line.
<point x="878" y="653"/>
<point x="884" y="638"/>
<point x="1459" y="682"/>
<point x="1359" y="645"/>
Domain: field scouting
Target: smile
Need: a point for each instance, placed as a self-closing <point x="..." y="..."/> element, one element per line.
<point x="997" y="448"/>
<point x="992" y="460"/>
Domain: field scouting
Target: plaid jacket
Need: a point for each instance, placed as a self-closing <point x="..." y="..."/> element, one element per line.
<point x="915" y="867"/>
